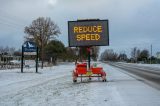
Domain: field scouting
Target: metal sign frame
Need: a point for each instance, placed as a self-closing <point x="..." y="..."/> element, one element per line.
<point x="26" y="50"/>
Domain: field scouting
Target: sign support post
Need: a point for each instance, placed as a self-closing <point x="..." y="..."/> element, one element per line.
<point x="22" y="59"/>
<point x="89" y="57"/>
<point x="37" y="60"/>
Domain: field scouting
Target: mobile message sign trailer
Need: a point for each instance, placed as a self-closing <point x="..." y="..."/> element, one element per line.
<point x="88" y="33"/>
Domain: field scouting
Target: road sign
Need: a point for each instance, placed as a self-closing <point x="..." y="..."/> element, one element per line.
<point x="29" y="48"/>
<point x="88" y="33"/>
<point x="29" y="53"/>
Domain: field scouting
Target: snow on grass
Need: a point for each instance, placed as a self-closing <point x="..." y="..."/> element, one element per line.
<point x="144" y="65"/>
<point x="150" y="65"/>
<point x="54" y="87"/>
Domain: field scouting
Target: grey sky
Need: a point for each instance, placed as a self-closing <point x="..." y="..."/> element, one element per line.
<point x="131" y="22"/>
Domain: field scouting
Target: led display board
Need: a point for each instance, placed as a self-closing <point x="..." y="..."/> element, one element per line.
<point x="88" y="33"/>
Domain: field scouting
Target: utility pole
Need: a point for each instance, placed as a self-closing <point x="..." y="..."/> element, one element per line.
<point x="151" y="55"/>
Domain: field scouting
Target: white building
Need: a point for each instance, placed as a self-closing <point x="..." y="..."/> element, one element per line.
<point x="158" y="55"/>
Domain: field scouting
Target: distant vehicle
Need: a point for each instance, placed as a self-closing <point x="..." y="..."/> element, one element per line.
<point x="29" y="63"/>
<point x="15" y="62"/>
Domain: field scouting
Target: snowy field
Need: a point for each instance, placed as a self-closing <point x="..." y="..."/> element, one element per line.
<point x="144" y="65"/>
<point x="150" y="65"/>
<point x="53" y="86"/>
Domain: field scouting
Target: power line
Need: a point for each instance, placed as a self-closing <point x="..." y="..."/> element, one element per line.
<point x="3" y="19"/>
<point x="10" y="26"/>
<point x="10" y="16"/>
<point x="10" y="20"/>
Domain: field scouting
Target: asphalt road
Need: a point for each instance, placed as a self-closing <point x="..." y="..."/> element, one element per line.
<point x="148" y="75"/>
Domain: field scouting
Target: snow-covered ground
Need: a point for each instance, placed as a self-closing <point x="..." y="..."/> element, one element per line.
<point x="144" y="65"/>
<point x="53" y="86"/>
<point x="150" y="65"/>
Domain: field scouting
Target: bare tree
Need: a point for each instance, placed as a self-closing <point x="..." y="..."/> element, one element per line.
<point x="138" y="54"/>
<point x="144" y="55"/>
<point x="41" y="31"/>
<point x="6" y="49"/>
<point x="1" y="49"/>
<point x="109" y="55"/>
<point x="133" y="53"/>
<point x="9" y="50"/>
<point x="95" y="52"/>
<point x="122" y="56"/>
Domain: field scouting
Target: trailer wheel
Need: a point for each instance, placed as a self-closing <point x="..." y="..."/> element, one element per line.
<point x="104" y="80"/>
<point x="74" y="81"/>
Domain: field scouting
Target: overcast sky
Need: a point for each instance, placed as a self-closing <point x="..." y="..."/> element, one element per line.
<point x="131" y="22"/>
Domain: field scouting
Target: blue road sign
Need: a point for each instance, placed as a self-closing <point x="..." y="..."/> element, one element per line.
<point x="29" y="46"/>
